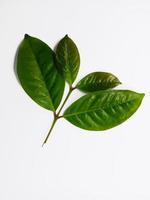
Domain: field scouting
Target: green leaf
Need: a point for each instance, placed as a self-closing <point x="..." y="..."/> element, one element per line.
<point x="103" y="110"/>
<point x="98" y="81"/>
<point x="38" y="74"/>
<point x="68" y="59"/>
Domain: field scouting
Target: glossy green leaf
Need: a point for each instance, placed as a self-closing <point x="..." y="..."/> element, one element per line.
<point x="38" y="74"/>
<point x="103" y="110"/>
<point x="98" y="81"/>
<point x="68" y="59"/>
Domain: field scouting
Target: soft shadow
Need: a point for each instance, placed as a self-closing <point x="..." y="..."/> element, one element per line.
<point x="15" y="64"/>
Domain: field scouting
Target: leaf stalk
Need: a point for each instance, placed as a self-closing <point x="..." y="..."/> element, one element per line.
<point x="57" y="115"/>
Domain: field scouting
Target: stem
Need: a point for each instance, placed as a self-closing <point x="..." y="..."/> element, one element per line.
<point x="69" y="93"/>
<point x="57" y="116"/>
<point x="52" y="126"/>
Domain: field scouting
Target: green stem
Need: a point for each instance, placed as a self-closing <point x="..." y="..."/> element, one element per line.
<point x="52" y="126"/>
<point x="69" y="93"/>
<point x="57" y="116"/>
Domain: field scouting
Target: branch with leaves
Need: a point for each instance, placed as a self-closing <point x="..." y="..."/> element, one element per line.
<point x="43" y="72"/>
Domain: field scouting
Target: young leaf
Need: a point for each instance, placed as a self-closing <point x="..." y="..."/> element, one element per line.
<point x="38" y="74"/>
<point x="103" y="110"/>
<point x="68" y="59"/>
<point x="98" y="81"/>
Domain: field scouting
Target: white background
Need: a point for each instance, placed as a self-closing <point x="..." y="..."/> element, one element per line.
<point x="75" y="164"/>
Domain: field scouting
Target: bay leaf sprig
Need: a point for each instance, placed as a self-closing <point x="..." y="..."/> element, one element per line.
<point x="43" y="73"/>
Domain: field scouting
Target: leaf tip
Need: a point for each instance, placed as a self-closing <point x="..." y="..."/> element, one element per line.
<point x="66" y="36"/>
<point x="142" y="95"/>
<point x="119" y="82"/>
<point x="26" y="36"/>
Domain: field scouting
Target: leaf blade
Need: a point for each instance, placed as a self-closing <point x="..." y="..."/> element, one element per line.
<point x="68" y="59"/>
<point x="103" y="110"/>
<point x="98" y="81"/>
<point x="37" y="73"/>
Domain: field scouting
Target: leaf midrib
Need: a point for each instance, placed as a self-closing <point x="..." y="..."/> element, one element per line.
<point x="67" y="59"/>
<point x="102" y="108"/>
<point x="28" y="40"/>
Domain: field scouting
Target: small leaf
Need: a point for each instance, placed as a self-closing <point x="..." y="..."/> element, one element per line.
<point x="68" y="59"/>
<point x="103" y="110"/>
<point x="98" y="81"/>
<point x="38" y="74"/>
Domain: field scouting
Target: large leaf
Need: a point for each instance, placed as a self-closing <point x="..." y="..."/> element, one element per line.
<point x="38" y="74"/>
<point x="68" y="59"/>
<point x="103" y="110"/>
<point x="98" y="81"/>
